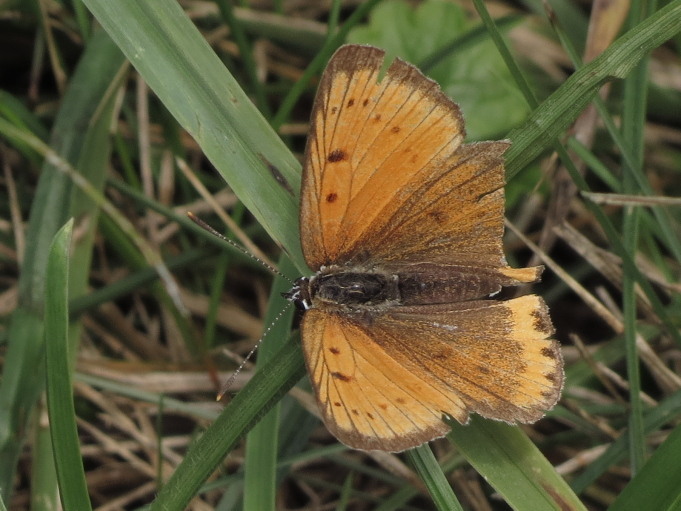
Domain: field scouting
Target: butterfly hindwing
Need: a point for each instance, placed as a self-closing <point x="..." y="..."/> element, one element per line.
<point x="366" y="398"/>
<point x="378" y="388"/>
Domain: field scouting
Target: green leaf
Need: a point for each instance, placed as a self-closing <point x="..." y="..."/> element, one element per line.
<point x="262" y="446"/>
<point x="424" y="462"/>
<point x="79" y="135"/>
<point x="513" y="465"/>
<point x="558" y="112"/>
<point x="65" y="443"/>
<point x="261" y="393"/>
<point x="667" y="410"/>
<point x="473" y="74"/>
<point x="658" y="484"/>
<point x="178" y="64"/>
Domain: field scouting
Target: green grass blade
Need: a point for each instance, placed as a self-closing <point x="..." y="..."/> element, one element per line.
<point x="667" y="410"/>
<point x="555" y="114"/>
<point x="177" y="63"/>
<point x="495" y="34"/>
<point x="17" y="113"/>
<point x="513" y="465"/>
<point x="666" y="231"/>
<point x="424" y="462"/>
<point x="65" y="443"/>
<point x="658" y="485"/>
<point x="633" y="123"/>
<point x="246" y="408"/>
<point x="79" y="121"/>
<point x="246" y="53"/>
<point x="262" y="445"/>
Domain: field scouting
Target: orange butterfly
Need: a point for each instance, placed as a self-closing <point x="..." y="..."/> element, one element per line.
<point x="403" y="224"/>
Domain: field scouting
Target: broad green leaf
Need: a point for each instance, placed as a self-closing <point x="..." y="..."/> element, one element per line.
<point x="473" y="75"/>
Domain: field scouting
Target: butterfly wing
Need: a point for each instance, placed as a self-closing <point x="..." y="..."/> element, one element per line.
<point x="366" y="397"/>
<point x="379" y="389"/>
<point x="386" y="177"/>
<point x="368" y="139"/>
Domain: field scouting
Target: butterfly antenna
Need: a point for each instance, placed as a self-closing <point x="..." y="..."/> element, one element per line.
<point x="241" y="249"/>
<point x="274" y="270"/>
<point x="225" y="388"/>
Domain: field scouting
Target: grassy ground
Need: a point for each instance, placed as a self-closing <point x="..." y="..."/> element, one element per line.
<point x="125" y="115"/>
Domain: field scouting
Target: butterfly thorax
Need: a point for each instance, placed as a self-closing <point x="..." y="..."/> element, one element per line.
<point x="355" y="288"/>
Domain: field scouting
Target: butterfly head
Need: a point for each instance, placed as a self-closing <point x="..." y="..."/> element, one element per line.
<point x="301" y="293"/>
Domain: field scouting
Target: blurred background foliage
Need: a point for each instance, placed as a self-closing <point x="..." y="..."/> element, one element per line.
<point x="126" y="115"/>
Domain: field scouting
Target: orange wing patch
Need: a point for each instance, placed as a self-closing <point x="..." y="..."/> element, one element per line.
<point x="453" y="216"/>
<point x="378" y="388"/>
<point x="368" y="137"/>
<point x="496" y="355"/>
<point x="367" y="399"/>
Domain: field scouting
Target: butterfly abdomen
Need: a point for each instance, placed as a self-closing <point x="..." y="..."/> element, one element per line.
<point x="417" y="289"/>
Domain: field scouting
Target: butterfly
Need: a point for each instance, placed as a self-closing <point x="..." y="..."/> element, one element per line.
<point x="402" y="224"/>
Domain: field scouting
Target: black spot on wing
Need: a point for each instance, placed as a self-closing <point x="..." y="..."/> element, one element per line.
<point x="337" y="155"/>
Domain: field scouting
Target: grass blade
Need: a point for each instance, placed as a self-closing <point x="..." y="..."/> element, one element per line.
<point x="513" y="465"/>
<point x="424" y="462"/>
<point x="658" y="484"/>
<point x="177" y="63"/>
<point x="264" y="390"/>
<point x="80" y="126"/>
<point x="555" y="114"/>
<point x="65" y="442"/>
<point x="262" y="446"/>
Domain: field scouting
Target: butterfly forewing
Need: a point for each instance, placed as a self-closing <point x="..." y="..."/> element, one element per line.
<point x="454" y="217"/>
<point x="371" y="142"/>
